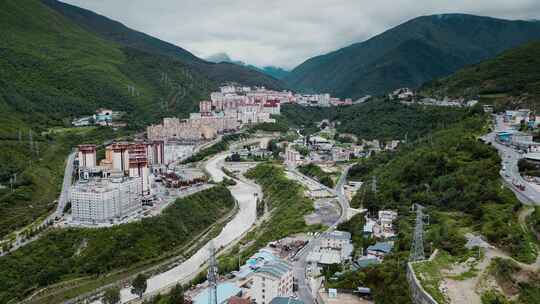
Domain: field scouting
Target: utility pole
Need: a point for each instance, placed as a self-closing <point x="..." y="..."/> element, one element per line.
<point x="30" y="140"/>
<point x="212" y="275"/>
<point x="374" y="184"/>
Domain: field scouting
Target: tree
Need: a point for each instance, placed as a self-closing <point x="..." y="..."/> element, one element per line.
<point x="177" y="295"/>
<point x="139" y="285"/>
<point x="112" y="295"/>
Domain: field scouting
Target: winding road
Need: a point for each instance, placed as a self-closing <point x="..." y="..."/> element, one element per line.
<point x="510" y="158"/>
<point x="305" y="294"/>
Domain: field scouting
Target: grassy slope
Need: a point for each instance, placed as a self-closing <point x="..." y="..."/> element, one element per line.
<point x="73" y="253"/>
<point x="509" y="77"/>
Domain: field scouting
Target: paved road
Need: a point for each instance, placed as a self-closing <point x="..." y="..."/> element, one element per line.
<point x="246" y="194"/>
<point x="66" y="186"/>
<point x="510" y="158"/>
<point x="342" y="198"/>
<point x="305" y="294"/>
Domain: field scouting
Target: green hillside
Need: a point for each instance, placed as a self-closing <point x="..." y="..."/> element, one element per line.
<point x="52" y="71"/>
<point x="456" y="177"/>
<point x="119" y="33"/>
<point x="374" y="119"/>
<point x="410" y="54"/>
<point x="510" y="79"/>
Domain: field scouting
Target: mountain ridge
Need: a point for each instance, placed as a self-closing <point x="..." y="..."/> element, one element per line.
<point x="274" y="71"/>
<point x="469" y="39"/>
<point x="112" y="30"/>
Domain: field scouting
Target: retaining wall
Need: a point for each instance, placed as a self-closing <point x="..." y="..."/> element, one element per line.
<point x="418" y="294"/>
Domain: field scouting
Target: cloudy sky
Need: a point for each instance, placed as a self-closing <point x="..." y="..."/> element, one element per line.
<point x="284" y="32"/>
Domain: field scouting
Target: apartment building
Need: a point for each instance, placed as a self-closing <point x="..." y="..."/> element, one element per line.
<point x="104" y="200"/>
<point x="274" y="279"/>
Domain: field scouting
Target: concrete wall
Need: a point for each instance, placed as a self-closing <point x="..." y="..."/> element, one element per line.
<point x="418" y="294"/>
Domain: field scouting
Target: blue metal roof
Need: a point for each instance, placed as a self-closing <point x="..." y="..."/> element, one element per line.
<point x="224" y="292"/>
<point x="385" y="247"/>
<point x="275" y="268"/>
<point x="285" y="300"/>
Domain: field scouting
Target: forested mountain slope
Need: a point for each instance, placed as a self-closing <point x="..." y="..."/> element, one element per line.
<point x="510" y="79"/>
<point x="119" y="33"/>
<point x="410" y="54"/>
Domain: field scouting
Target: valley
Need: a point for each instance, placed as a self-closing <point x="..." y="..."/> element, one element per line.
<point x="398" y="163"/>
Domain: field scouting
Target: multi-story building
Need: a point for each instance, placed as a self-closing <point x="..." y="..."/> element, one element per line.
<point x="87" y="156"/>
<point x="104" y="200"/>
<point x="335" y="239"/>
<point x="341" y="154"/>
<point x="292" y="156"/>
<point x="274" y="279"/>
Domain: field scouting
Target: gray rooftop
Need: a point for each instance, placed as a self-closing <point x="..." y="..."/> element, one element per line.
<point x="337" y="235"/>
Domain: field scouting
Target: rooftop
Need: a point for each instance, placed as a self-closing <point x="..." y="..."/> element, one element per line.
<point x="285" y="300"/>
<point x="365" y="262"/>
<point x="384" y="247"/>
<point x="224" y="292"/>
<point x="337" y="235"/>
<point x="277" y="268"/>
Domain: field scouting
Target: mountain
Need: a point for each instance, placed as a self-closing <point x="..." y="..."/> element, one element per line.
<point x="117" y="32"/>
<point x="54" y="67"/>
<point x="510" y="79"/>
<point x="52" y="70"/>
<point x="410" y="54"/>
<point x="276" y="72"/>
<point x="221" y="57"/>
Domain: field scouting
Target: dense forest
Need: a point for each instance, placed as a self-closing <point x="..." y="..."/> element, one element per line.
<point x="411" y="53"/>
<point x="511" y="79"/>
<point x="375" y="119"/>
<point x="71" y="253"/>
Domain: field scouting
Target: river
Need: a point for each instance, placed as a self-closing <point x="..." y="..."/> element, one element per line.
<point x="246" y="194"/>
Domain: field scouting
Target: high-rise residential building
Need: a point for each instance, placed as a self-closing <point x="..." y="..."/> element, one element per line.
<point x="87" y="156"/>
<point x="105" y="200"/>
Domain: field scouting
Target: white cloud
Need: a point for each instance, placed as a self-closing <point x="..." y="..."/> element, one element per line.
<point x="284" y="32"/>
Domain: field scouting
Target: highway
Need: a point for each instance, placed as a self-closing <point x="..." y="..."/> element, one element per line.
<point x="510" y="172"/>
